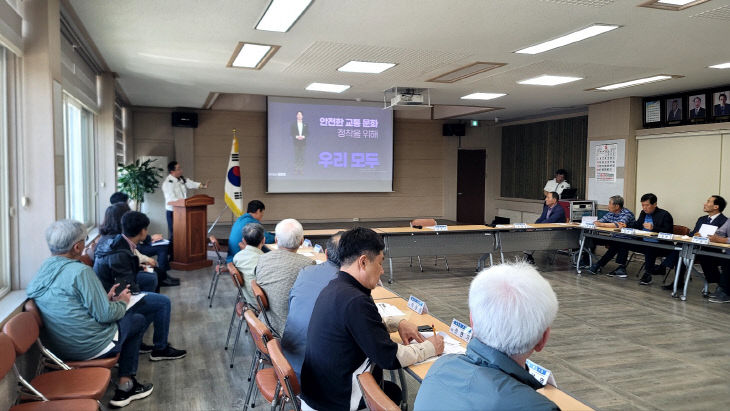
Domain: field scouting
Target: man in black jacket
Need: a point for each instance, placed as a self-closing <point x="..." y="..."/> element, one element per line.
<point x="115" y="262"/>
<point x="714" y="206"/>
<point x="652" y="218"/>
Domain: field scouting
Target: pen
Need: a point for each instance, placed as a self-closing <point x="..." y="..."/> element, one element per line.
<point x="433" y="328"/>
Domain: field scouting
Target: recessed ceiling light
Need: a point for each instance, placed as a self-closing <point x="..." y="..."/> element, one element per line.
<point x="636" y="82"/>
<point x="675" y="2"/>
<point x="483" y="96"/>
<point x="547" y="80"/>
<point x="330" y="88"/>
<point x="671" y="5"/>
<point x="251" y="55"/>
<point x="282" y="14"/>
<point x="579" y="35"/>
<point x="721" y="66"/>
<point x="365" y="67"/>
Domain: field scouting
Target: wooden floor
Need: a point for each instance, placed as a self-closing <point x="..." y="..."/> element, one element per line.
<point x="615" y="345"/>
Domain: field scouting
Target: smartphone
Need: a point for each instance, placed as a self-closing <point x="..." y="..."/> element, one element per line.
<point x="121" y="287"/>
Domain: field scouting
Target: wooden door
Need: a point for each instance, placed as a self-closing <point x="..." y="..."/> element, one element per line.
<point x="471" y="173"/>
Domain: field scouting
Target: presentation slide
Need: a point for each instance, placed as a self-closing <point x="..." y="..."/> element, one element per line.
<point x="328" y="146"/>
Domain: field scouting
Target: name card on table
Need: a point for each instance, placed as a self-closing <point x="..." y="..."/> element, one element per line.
<point x="439" y="227"/>
<point x="700" y="240"/>
<point x="589" y="226"/>
<point x="306" y="243"/>
<point x="588" y="219"/>
<point x="666" y="236"/>
<point x="541" y="374"/>
<point x="318" y="248"/>
<point x="417" y="305"/>
<point x="627" y="231"/>
<point x="460" y="330"/>
<point x="522" y="225"/>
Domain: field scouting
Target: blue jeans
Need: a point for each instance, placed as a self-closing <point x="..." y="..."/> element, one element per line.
<point x="156" y="310"/>
<point x="147" y="282"/>
<point x="131" y="330"/>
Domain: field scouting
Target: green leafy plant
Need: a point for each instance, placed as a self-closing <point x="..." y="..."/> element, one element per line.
<point x="137" y="178"/>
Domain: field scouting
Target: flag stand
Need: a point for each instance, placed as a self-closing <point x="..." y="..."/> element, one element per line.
<point x="218" y="218"/>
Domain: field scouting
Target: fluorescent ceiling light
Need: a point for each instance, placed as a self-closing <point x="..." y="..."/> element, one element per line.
<point x="281" y="15"/>
<point x="483" y="96"/>
<point x="365" y="67"/>
<point x="251" y="55"/>
<point x="547" y="80"/>
<point x="579" y="35"/>
<point x="675" y="2"/>
<point x="330" y="88"/>
<point x="721" y="66"/>
<point x="635" y="82"/>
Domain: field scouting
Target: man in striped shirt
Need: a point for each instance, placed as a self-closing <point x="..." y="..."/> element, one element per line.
<point x="617" y="217"/>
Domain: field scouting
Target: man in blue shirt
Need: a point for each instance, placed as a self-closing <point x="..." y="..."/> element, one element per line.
<point x="617" y="217"/>
<point x="254" y="214"/>
<point x="511" y="309"/>
<point x="552" y="212"/>
<point x="310" y="282"/>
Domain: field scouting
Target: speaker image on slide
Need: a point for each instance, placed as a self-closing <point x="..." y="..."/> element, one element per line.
<point x="458" y="130"/>
<point x="184" y="119"/>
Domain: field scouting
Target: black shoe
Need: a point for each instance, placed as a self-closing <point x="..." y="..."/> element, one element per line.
<point x="719" y="296"/>
<point x="646" y="279"/>
<point x="668" y="287"/>
<point x="175" y="279"/>
<point x="123" y="398"/>
<point x="169" y="353"/>
<point x="619" y="272"/>
<point x="144" y="348"/>
<point x="167" y="282"/>
<point x="529" y="259"/>
<point x="594" y="269"/>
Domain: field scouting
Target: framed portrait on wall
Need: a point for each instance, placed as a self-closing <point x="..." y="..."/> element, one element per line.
<point x="674" y="110"/>
<point x="697" y="111"/>
<point x="720" y="105"/>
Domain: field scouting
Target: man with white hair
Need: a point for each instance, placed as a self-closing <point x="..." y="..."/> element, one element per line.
<point x="511" y="309"/>
<point x="277" y="270"/>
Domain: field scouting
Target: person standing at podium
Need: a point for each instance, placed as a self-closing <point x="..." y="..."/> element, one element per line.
<point x="175" y="187"/>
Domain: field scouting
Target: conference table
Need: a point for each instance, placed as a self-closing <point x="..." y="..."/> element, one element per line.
<point x="419" y="371"/>
<point x="688" y="247"/>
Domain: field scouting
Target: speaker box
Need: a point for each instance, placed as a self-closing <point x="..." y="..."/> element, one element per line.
<point x="184" y="119"/>
<point x="454" y="130"/>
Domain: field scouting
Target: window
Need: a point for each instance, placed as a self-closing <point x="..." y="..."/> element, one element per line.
<point x="5" y="100"/>
<point x="80" y="162"/>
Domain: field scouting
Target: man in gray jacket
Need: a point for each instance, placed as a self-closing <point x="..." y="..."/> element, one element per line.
<point x="512" y="308"/>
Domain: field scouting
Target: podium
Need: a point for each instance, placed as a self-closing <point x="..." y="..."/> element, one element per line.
<point x="189" y="222"/>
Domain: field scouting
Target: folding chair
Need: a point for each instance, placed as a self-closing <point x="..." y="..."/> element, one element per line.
<point x="218" y="269"/>
<point x="263" y="301"/>
<point x="238" y="308"/>
<point x="55" y="385"/>
<point x="375" y="398"/>
<point x="264" y="378"/>
<point x="426" y="222"/>
<point x="7" y="361"/>
<point x="288" y="384"/>
<point x="50" y="360"/>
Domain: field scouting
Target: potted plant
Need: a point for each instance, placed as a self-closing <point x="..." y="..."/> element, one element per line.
<point x="137" y="178"/>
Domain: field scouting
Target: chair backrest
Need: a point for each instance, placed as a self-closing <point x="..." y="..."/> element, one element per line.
<point x="23" y="330"/>
<point x="260" y="333"/>
<point x="423" y="222"/>
<point x="284" y="372"/>
<point x="375" y="398"/>
<point x="7" y="355"/>
<point x="260" y="295"/>
<point x="566" y="208"/>
<point x="216" y="248"/>
<point x="680" y="230"/>
<point x="31" y="307"/>
<point x="235" y="275"/>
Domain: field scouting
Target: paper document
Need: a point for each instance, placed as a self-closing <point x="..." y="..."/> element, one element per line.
<point x="308" y="254"/>
<point x="389" y="310"/>
<point x="135" y="299"/>
<point x="587" y="219"/>
<point x="451" y="345"/>
<point x="161" y="242"/>
<point x="707" y="230"/>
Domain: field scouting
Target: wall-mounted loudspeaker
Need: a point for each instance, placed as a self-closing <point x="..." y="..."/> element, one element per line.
<point x="454" y="130"/>
<point x="184" y="119"/>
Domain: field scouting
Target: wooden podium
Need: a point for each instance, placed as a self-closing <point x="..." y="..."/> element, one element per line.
<point x="189" y="222"/>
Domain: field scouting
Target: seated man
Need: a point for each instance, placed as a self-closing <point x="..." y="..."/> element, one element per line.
<point x="82" y="321"/>
<point x="116" y="263"/>
<point x="652" y="218"/>
<point x="254" y="214"/>
<point x="148" y="248"/>
<point x="277" y="270"/>
<point x="246" y="259"/>
<point x="346" y="333"/>
<point x="617" y="217"/>
<point x="557" y="184"/>
<point x="511" y="309"/>
<point x="722" y="293"/>
<point x="552" y="212"/>
<point x="714" y="206"/>
<point x="310" y="282"/>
